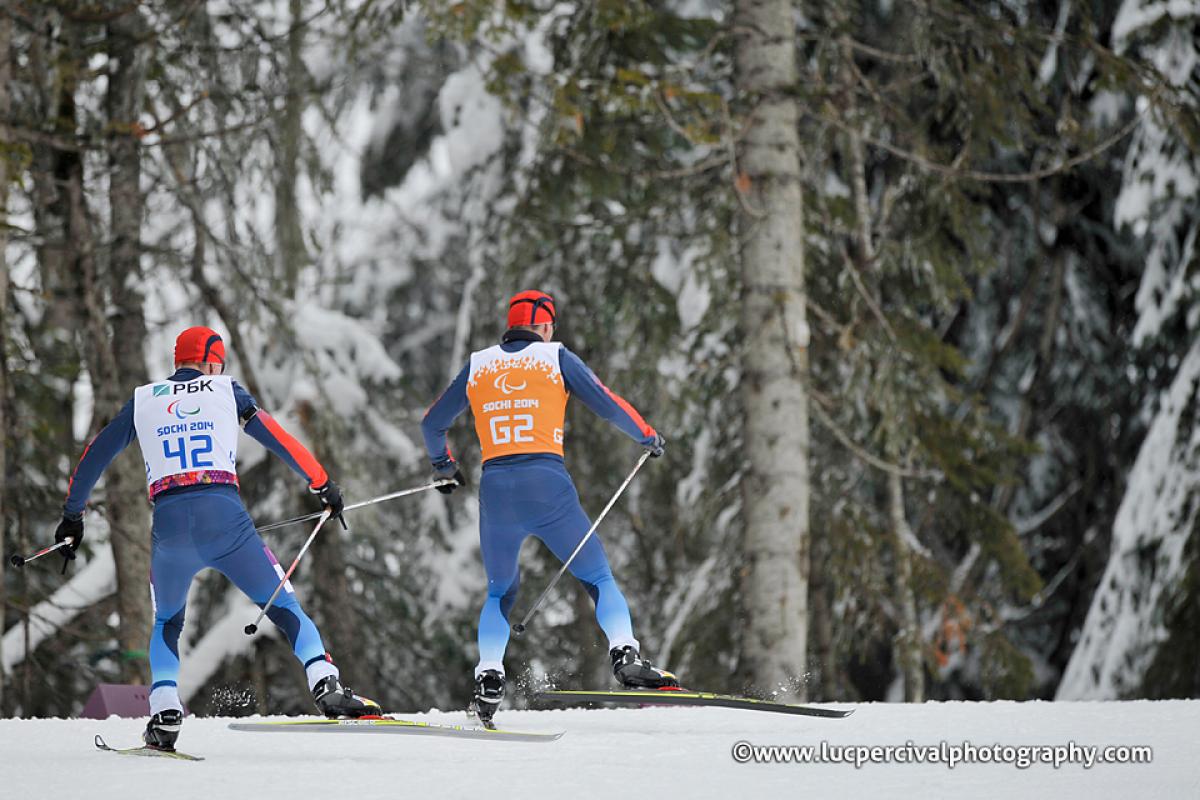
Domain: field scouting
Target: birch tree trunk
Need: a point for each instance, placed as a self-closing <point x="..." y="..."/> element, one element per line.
<point x="127" y="508"/>
<point x="775" y="339"/>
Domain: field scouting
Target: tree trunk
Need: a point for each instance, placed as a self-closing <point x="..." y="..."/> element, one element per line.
<point x="907" y="646"/>
<point x="55" y="336"/>
<point x="333" y="605"/>
<point x="52" y="77"/>
<point x="127" y="509"/>
<point x="775" y="339"/>
<point x="5" y="142"/>
<point x="907" y="643"/>
<point x="820" y="590"/>
<point x="289" y="234"/>
<point x="332" y="602"/>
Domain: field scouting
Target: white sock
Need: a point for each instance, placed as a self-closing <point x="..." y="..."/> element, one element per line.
<point x="319" y="671"/>
<point x="613" y="644"/>
<point x="484" y="666"/>
<point x="163" y="698"/>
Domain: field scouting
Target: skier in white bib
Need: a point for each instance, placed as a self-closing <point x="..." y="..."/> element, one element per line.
<point x="187" y="426"/>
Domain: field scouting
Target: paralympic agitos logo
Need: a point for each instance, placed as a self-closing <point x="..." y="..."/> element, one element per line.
<point x="502" y="384"/>
<point x="173" y="408"/>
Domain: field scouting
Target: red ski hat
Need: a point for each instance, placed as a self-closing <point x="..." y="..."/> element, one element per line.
<point x="199" y="345"/>
<point x="530" y="308"/>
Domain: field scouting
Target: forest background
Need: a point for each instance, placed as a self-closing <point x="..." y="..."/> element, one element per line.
<point x="911" y="289"/>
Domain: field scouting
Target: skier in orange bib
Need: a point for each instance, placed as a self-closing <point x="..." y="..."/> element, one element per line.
<point x="517" y="391"/>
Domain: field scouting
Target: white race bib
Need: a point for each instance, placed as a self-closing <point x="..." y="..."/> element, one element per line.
<point x="187" y="427"/>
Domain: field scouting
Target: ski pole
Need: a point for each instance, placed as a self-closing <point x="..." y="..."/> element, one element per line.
<point x="20" y="561"/>
<point x="372" y="501"/>
<point x="519" y="628"/>
<point x="252" y="628"/>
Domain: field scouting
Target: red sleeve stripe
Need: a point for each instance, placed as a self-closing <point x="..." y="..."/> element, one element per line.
<point x="643" y="426"/>
<point x="304" y="459"/>
<point x="71" y="481"/>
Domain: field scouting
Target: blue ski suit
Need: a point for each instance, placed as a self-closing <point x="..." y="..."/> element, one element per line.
<point x="199" y="522"/>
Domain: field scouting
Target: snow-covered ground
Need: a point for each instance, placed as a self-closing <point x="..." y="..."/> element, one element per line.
<point x="653" y="753"/>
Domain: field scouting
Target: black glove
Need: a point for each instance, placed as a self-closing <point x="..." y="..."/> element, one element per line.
<point x="69" y="529"/>
<point x="658" y="446"/>
<point x="449" y="469"/>
<point x="331" y="498"/>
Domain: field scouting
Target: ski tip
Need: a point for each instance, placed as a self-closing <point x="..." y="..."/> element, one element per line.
<point x="100" y="745"/>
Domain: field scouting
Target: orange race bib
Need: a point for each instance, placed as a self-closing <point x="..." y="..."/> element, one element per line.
<point x="519" y="400"/>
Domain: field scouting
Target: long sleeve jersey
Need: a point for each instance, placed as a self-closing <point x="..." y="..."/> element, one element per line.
<point x="120" y="432"/>
<point x="579" y="381"/>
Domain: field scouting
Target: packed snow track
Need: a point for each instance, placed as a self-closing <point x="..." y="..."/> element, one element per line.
<point x="656" y="753"/>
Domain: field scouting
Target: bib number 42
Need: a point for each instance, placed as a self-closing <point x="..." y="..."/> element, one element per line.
<point x="192" y="448"/>
<point x="517" y="428"/>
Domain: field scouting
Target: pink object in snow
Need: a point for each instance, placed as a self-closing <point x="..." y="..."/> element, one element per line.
<point x="119" y="699"/>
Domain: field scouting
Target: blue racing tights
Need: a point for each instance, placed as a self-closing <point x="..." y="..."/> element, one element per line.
<point x="209" y="527"/>
<point x="538" y="498"/>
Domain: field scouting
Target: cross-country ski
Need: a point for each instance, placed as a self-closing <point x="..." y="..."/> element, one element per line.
<point x="685" y="697"/>
<point x="392" y="726"/>
<point x="145" y="751"/>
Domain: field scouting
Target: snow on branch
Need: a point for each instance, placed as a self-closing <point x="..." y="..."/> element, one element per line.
<point x="1027" y="525"/>
<point x="697" y="587"/>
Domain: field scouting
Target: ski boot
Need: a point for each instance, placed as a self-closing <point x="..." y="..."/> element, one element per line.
<point x="163" y="729"/>
<point x="635" y="672"/>
<point x="334" y="700"/>
<point x="489" y="691"/>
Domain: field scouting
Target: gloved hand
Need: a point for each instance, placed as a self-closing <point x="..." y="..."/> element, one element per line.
<point x="72" y="529"/>
<point x="331" y="497"/>
<point x="658" y="446"/>
<point x="449" y="469"/>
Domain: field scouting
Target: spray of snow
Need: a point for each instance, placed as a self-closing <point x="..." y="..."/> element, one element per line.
<point x="222" y="640"/>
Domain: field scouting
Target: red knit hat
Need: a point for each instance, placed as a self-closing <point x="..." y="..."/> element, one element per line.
<point x="530" y="308"/>
<point x="199" y="345"/>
